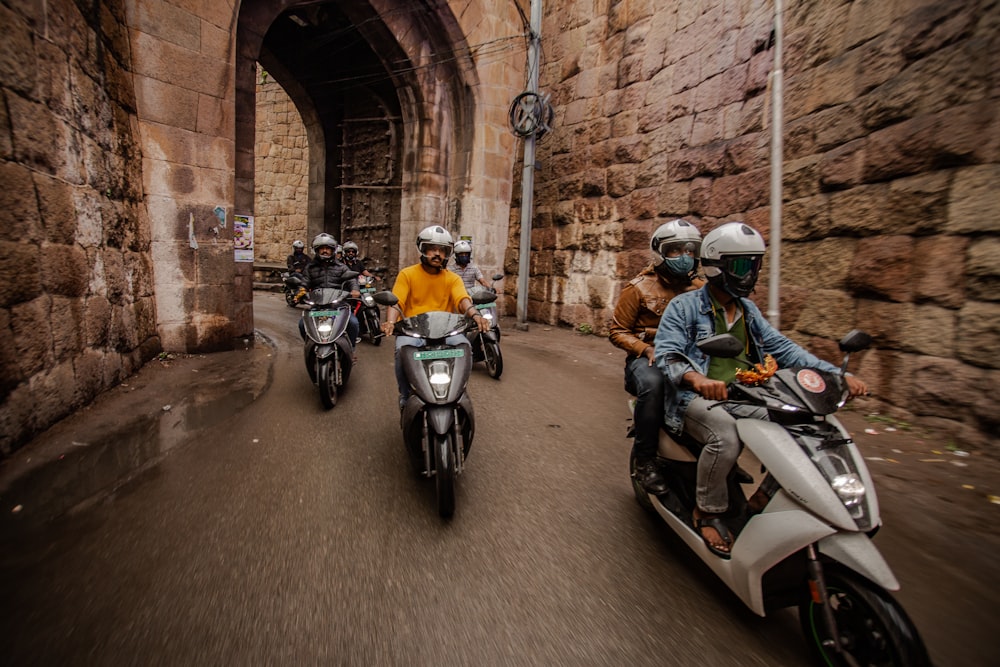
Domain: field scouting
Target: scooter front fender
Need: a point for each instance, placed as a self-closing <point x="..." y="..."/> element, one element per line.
<point x="323" y="351"/>
<point x="856" y="551"/>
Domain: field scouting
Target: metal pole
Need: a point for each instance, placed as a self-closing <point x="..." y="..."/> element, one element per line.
<point x="777" y="153"/>
<point x="528" y="175"/>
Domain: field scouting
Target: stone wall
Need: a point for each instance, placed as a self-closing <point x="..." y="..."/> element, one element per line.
<point x="77" y="313"/>
<point x="891" y="205"/>
<point x="281" y="183"/>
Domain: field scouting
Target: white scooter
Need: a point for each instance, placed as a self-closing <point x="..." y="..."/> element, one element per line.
<point x="811" y="544"/>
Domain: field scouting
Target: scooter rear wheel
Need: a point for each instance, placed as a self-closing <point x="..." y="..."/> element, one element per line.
<point x="873" y="628"/>
<point x="327" y="384"/>
<point x="444" y="475"/>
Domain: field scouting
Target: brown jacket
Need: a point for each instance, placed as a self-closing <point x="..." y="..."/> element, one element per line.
<point x="639" y="308"/>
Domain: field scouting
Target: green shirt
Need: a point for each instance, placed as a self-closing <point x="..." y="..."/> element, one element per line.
<point x="724" y="369"/>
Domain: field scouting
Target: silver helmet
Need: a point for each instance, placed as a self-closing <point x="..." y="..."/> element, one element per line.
<point x="731" y="256"/>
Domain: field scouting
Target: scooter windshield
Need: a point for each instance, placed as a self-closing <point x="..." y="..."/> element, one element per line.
<point x="434" y="325"/>
<point x="327" y="295"/>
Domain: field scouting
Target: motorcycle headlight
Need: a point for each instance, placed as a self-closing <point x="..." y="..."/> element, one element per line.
<point x="487" y="314"/>
<point x="439" y="375"/>
<point x="369" y="301"/>
<point x="850" y="489"/>
<point x="325" y="326"/>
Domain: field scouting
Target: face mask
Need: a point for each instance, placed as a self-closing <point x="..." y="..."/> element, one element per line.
<point x="679" y="266"/>
<point x="462" y="260"/>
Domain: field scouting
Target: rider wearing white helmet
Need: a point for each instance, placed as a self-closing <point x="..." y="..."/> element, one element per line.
<point x="675" y="247"/>
<point x="469" y="272"/>
<point x="298" y="260"/>
<point x="325" y="270"/>
<point x="425" y="287"/>
<point x="731" y="257"/>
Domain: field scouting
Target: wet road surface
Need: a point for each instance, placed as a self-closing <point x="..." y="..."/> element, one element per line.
<point x="292" y="535"/>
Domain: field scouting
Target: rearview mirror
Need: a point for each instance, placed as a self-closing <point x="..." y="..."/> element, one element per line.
<point x="855" y="341"/>
<point x="385" y="298"/>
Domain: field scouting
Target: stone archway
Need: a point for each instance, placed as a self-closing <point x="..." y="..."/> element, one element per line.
<point x="387" y="118"/>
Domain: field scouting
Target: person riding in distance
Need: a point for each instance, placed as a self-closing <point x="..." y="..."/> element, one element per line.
<point x="424" y="287"/>
<point x="354" y="263"/>
<point x="326" y="271"/>
<point x="731" y="257"/>
<point x="469" y="272"/>
<point x="676" y="246"/>
<point x="298" y="260"/>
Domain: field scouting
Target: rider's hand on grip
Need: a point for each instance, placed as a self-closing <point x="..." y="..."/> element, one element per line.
<point x="713" y="390"/>
<point x="856" y="386"/>
<point x="388" y="327"/>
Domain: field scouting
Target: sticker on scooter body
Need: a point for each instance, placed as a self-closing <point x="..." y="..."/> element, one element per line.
<point x="811" y="381"/>
<point x="439" y="354"/>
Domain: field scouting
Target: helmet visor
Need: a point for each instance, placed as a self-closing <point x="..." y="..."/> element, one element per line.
<point x="670" y="249"/>
<point x="742" y="266"/>
<point x="446" y="249"/>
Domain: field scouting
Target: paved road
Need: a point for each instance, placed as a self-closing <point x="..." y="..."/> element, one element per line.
<point x="293" y="535"/>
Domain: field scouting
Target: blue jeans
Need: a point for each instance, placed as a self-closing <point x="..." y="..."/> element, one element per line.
<point x="715" y="428"/>
<point x="401" y="382"/>
<point x="646" y="383"/>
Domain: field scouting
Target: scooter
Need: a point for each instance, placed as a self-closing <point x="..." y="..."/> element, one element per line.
<point x="328" y="352"/>
<point x="811" y="544"/>
<point x="437" y="420"/>
<point x="291" y="283"/>
<point x="486" y="346"/>
<point x="369" y="316"/>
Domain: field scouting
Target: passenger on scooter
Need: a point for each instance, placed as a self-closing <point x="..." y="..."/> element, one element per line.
<point x="469" y="272"/>
<point x="676" y="246"/>
<point x="425" y="287"/>
<point x="298" y="260"/>
<point x="731" y="258"/>
<point x="325" y="271"/>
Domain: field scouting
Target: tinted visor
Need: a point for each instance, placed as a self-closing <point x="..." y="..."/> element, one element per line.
<point x="443" y="248"/>
<point x="741" y="266"/>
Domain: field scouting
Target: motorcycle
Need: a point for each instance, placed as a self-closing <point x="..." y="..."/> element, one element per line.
<point x="291" y="283"/>
<point x="328" y="352"/>
<point x="811" y="544"/>
<point x="486" y="346"/>
<point x="437" y="420"/>
<point x="369" y="316"/>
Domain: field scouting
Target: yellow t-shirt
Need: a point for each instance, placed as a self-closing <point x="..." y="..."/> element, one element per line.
<point x="421" y="292"/>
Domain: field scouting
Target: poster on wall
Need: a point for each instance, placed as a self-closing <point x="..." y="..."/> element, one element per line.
<point x="243" y="237"/>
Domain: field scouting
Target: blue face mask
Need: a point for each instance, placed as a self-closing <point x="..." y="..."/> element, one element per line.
<point x="679" y="266"/>
<point x="462" y="259"/>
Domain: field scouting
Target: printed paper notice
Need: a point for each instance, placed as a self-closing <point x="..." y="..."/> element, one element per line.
<point x="243" y="238"/>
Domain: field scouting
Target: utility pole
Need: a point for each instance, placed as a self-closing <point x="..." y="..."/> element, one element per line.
<point x="777" y="153"/>
<point x="528" y="174"/>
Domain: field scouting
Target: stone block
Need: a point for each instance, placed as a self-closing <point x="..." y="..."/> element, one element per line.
<point x="166" y="103"/>
<point x="942" y="280"/>
<point x="822" y="264"/>
<point x="67" y="321"/>
<point x="19" y="215"/>
<point x="11" y="373"/>
<point x="975" y="201"/>
<point x="842" y="167"/>
<point x="56" y="207"/>
<point x="20" y="275"/>
<point x="946" y="387"/>
<point x="978" y="334"/>
<point x="97" y="321"/>
<point x="828" y="313"/>
<point x="983" y="270"/>
<point x="64" y="270"/>
<point x="18" y="64"/>
<point x="883" y="267"/>
<point x="32" y="334"/>
<point x="165" y="61"/>
<point x="859" y="211"/>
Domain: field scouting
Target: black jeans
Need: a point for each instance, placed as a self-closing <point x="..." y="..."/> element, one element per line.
<point x="646" y="383"/>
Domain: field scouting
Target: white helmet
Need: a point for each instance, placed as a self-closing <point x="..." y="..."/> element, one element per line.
<point x="434" y="235"/>
<point x="324" y="239"/>
<point x="350" y="245"/>
<point x="668" y="239"/>
<point x="463" y="246"/>
<point x="731" y="256"/>
<point x="298" y="244"/>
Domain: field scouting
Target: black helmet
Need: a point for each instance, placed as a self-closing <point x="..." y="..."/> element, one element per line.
<point x="731" y="256"/>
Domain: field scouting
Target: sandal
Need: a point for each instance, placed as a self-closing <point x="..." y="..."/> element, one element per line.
<point x="714" y="522"/>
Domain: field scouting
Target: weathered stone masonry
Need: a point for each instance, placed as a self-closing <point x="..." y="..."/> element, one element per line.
<point x="891" y="205"/>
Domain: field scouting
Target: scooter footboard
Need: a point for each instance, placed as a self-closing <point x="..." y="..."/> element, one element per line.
<point x="856" y="551"/>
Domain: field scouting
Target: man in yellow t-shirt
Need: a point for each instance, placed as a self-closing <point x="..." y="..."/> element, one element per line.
<point x="425" y="287"/>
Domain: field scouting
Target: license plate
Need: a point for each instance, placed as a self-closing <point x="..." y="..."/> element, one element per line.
<point x="484" y="306"/>
<point x="367" y="289"/>
<point x="439" y="354"/>
<point x="322" y="313"/>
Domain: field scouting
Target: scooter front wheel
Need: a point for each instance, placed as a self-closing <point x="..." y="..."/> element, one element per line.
<point x="327" y="384"/>
<point x="374" y="330"/>
<point x="873" y="629"/>
<point x="290" y="299"/>
<point x="493" y="358"/>
<point x="444" y="475"/>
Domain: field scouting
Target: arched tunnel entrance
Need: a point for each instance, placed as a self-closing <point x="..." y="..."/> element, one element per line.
<point x="387" y="120"/>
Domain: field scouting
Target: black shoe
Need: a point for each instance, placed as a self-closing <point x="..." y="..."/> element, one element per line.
<point x="649" y="477"/>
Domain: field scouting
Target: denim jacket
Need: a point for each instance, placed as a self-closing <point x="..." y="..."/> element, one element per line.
<point x="689" y="319"/>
